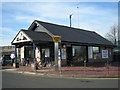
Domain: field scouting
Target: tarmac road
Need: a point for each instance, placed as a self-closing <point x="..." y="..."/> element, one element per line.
<point x="17" y="80"/>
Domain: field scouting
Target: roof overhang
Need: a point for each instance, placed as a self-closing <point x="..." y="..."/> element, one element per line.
<point x="86" y="44"/>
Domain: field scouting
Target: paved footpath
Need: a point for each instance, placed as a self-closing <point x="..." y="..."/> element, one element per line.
<point x="76" y="72"/>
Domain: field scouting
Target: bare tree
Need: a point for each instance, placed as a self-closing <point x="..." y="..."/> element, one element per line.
<point x="113" y="34"/>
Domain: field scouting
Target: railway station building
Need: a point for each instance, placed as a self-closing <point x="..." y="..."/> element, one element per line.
<point x="75" y="46"/>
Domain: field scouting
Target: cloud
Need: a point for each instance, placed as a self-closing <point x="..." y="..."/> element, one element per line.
<point x="6" y="36"/>
<point x="61" y="11"/>
<point x="90" y="17"/>
<point x="28" y="19"/>
<point x="9" y="30"/>
<point x="5" y="42"/>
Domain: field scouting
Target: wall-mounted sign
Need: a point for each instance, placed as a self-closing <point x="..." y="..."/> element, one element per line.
<point x="47" y="52"/>
<point x="63" y="51"/>
<point x="104" y="53"/>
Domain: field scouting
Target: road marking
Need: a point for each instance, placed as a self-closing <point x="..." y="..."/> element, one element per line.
<point x="40" y="74"/>
<point x="10" y="69"/>
<point x="28" y="73"/>
<point x="20" y="72"/>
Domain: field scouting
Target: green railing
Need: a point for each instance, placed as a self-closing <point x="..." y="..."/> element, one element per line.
<point x="11" y="60"/>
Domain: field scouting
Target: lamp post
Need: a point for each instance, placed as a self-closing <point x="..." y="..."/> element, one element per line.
<point x="56" y="39"/>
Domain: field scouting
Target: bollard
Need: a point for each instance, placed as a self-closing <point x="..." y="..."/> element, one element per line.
<point x="16" y="65"/>
<point x="59" y="65"/>
<point x="34" y="67"/>
<point x="84" y="65"/>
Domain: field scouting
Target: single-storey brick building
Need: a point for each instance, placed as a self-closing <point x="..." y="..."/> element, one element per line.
<point x="75" y="46"/>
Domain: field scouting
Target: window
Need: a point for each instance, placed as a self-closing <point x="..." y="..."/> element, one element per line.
<point x="79" y="54"/>
<point x="96" y="50"/>
<point x="47" y="52"/>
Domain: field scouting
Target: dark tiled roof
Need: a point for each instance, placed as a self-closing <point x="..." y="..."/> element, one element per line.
<point x="38" y="36"/>
<point x="75" y="35"/>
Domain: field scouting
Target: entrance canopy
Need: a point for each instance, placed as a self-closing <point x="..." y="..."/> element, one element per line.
<point x="31" y="36"/>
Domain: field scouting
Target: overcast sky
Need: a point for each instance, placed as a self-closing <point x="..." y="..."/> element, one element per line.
<point x="93" y="16"/>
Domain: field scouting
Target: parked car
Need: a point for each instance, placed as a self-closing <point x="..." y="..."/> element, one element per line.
<point x="5" y="60"/>
<point x="1" y="61"/>
<point x="8" y="60"/>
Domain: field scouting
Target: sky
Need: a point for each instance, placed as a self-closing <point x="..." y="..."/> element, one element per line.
<point x="92" y="16"/>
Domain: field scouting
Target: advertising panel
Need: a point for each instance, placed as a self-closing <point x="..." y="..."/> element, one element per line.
<point x="104" y="53"/>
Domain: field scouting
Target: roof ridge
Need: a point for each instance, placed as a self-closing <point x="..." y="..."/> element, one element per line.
<point x="32" y="31"/>
<point x="65" y="26"/>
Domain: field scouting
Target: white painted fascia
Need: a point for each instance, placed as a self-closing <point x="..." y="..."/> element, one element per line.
<point x="19" y="36"/>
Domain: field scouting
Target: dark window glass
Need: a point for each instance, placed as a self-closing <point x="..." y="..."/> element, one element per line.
<point x="79" y="54"/>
